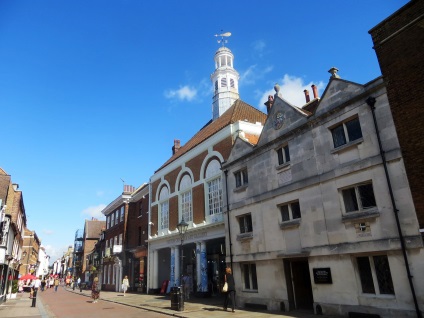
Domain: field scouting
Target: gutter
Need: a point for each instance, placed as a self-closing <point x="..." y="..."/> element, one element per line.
<point x="228" y="218"/>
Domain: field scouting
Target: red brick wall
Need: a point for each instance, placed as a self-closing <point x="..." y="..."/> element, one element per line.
<point x="401" y="59"/>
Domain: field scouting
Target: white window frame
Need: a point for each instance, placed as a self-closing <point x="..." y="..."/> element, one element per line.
<point x="374" y="275"/>
<point x="241" y="178"/>
<point x="346" y="132"/>
<point x="283" y="155"/>
<point x="289" y="206"/>
<point x="359" y="202"/>
<point x="121" y="219"/>
<point x="252" y="279"/>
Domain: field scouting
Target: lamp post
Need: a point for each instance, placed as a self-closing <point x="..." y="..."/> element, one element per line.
<point x="182" y="228"/>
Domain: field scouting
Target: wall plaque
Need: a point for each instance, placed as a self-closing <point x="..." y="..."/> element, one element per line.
<point x="322" y="275"/>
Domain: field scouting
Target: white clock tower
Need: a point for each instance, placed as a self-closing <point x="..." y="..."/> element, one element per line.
<point x="225" y="80"/>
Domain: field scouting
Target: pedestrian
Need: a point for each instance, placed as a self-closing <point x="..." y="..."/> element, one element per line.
<point x="79" y="284"/>
<point x="95" y="290"/>
<point x="125" y="284"/>
<point x="33" y="296"/>
<point x="43" y="284"/>
<point x="186" y="286"/>
<point x="231" y="290"/>
<point x="56" y="284"/>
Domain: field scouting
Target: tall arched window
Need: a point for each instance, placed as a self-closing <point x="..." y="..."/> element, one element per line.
<point x="213" y="191"/>
<point x="186" y="199"/>
<point x="163" y="209"/>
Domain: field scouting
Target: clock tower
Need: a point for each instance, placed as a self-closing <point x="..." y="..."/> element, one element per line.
<point x="225" y="81"/>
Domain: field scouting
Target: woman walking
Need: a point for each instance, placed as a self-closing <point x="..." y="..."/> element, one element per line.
<point x="231" y="291"/>
<point x="95" y="290"/>
<point x="125" y="284"/>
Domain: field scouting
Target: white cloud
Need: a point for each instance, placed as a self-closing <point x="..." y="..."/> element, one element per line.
<point x="95" y="211"/>
<point x="292" y="88"/>
<point x="55" y="252"/>
<point x="48" y="232"/>
<point x="259" y="47"/>
<point x="253" y="73"/>
<point x="183" y="93"/>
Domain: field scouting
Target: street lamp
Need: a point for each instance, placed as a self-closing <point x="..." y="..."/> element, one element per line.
<point x="182" y="228"/>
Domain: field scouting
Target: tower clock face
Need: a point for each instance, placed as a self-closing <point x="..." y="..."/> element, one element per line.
<point x="278" y="120"/>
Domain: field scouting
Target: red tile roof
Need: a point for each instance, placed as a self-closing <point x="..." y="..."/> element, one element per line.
<point x="239" y="111"/>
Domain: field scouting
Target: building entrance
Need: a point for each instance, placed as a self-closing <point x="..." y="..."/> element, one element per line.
<point x="299" y="288"/>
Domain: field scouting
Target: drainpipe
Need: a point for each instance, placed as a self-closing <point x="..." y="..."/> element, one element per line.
<point x="228" y="218"/>
<point x="371" y="102"/>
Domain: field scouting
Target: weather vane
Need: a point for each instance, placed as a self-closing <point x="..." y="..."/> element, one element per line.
<point x="223" y="37"/>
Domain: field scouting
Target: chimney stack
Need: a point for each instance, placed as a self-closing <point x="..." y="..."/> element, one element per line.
<point x="176" y="146"/>
<point x="308" y="99"/>
<point x="315" y="90"/>
<point x="269" y="103"/>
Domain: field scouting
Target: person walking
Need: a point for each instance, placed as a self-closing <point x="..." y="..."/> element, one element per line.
<point x="231" y="290"/>
<point x="125" y="284"/>
<point x="95" y="290"/>
<point x="79" y="284"/>
<point x="43" y="284"/>
<point x="56" y="284"/>
<point x="186" y="286"/>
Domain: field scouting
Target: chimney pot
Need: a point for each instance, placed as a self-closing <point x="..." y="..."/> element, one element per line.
<point x="315" y="90"/>
<point x="308" y="99"/>
<point x="176" y="146"/>
<point x="269" y="103"/>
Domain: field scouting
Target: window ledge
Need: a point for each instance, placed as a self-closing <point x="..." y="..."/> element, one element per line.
<point x="244" y="236"/>
<point x="284" y="166"/>
<point x="348" y="145"/>
<point x="290" y="224"/>
<point x="250" y="291"/>
<point x="361" y="216"/>
<point x="240" y="188"/>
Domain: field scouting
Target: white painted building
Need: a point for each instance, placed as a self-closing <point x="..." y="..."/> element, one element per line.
<point x="315" y="227"/>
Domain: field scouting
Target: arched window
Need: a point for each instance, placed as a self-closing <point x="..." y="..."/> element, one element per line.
<point x="186" y="205"/>
<point x="213" y="191"/>
<point x="163" y="216"/>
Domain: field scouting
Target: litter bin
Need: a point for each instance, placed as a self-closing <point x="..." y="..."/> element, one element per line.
<point x="177" y="300"/>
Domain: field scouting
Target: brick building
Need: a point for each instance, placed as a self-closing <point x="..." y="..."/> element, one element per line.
<point x="190" y="187"/>
<point x="114" y="257"/>
<point x="92" y="230"/>
<point x="399" y="45"/>
<point x="136" y="246"/>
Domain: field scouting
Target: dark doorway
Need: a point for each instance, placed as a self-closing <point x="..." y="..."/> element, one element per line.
<point x="299" y="284"/>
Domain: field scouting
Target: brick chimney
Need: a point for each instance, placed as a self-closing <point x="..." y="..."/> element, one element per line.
<point x="308" y="99"/>
<point x="176" y="146"/>
<point x="269" y="103"/>
<point x="128" y="189"/>
<point x="315" y="90"/>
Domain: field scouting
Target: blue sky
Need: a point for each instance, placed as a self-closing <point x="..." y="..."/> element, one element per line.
<point x="92" y="92"/>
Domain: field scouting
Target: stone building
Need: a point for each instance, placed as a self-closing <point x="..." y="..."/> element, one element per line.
<point x="189" y="186"/>
<point x="30" y="249"/>
<point x="316" y="226"/>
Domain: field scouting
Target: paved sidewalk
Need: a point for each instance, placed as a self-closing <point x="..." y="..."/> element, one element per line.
<point x="21" y="307"/>
<point x="193" y="308"/>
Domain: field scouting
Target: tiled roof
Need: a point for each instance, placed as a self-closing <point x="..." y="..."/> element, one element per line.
<point x="238" y="111"/>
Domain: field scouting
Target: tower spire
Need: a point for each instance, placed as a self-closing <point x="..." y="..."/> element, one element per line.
<point x="224" y="78"/>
